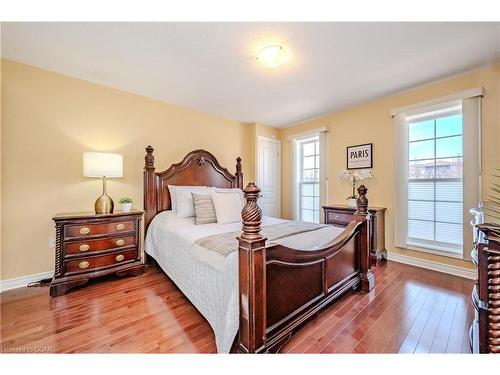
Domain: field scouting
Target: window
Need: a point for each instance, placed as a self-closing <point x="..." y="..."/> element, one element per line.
<point x="310" y="174"/>
<point x="437" y="173"/>
<point x="308" y="180"/>
<point x="435" y="180"/>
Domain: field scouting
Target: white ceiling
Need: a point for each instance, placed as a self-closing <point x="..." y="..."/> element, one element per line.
<point x="211" y="66"/>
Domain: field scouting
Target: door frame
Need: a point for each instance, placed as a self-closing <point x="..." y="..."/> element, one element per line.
<point x="257" y="165"/>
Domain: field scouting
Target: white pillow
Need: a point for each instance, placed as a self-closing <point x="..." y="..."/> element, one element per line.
<point x="185" y="204"/>
<point x="228" y="207"/>
<point x="232" y="190"/>
<point x="173" y="197"/>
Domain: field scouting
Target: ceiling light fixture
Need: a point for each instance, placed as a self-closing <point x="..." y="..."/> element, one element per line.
<point x="272" y="56"/>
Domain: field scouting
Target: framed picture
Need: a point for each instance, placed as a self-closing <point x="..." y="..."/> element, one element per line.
<point x="360" y="156"/>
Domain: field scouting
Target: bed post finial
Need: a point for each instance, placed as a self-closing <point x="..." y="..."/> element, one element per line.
<point x="362" y="201"/>
<point x="149" y="187"/>
<point x="149" y="158"/>
<point x="239" y="173"/>
<point x="252" y="276"/>
<point x="364" y="243"/>
<point x="251" y="214"/>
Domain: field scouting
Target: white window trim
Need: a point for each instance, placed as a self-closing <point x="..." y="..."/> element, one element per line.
<point x="471" y="115"/>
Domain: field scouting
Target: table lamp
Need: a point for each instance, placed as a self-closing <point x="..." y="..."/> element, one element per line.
<point x="103" y="165"/>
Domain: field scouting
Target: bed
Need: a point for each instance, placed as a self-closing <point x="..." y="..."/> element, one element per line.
<point x="256" y="296"/>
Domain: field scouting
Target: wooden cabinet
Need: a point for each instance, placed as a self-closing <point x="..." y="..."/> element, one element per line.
<point x="485" y="329"/>
<point x="341" y="216"/>
<point x="89" y="246"/>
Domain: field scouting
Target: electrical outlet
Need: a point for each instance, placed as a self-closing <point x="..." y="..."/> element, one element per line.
<point x="52" y="242"/>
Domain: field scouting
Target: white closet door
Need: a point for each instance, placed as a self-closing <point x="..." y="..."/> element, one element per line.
<point x="268" y="175"/>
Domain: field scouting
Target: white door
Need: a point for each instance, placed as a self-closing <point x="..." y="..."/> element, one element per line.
<point x="268" y="175"/>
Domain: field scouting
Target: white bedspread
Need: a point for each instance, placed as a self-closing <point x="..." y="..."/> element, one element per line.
<point x="208" y="279"/>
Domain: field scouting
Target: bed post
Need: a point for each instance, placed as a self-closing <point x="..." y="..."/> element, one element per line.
<point x="149" y="187"/>
<point x="239" y="173"/>
<point x="362" y="214"/>
<point x="252" y="276"/>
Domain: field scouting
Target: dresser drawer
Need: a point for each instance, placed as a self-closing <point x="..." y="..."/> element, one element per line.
<point x="89" y="230"/>
<point x="93" y="246"/>
<point x="342" y="218"/>
<point x="98" y="262"/>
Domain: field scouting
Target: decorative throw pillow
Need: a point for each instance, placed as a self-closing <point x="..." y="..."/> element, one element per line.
<point x="232" y="190"/>
<point x="228" y="207"/>
<point x="204" y="209"/>
<point x="185" y="205"/>
<point x="173" y="197"/>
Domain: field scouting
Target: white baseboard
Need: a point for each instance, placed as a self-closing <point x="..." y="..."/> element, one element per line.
<point x="435" y="266"/>
<point x="23" y="281"/>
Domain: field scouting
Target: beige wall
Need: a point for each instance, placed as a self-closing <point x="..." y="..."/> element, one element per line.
<point x="371" y="123"/>
<point x="49" y="120"/>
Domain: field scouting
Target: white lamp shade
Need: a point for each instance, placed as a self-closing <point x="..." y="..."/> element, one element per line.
<point x="102" y="164"/>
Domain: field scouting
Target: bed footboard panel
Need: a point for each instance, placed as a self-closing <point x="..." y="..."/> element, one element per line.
<point x="294" y="285"/>
<point x="291" y="287"/>
<point x="300" y="283"/>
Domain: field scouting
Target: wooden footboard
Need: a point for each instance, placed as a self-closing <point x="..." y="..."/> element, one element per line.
<point x="281" y="287"/>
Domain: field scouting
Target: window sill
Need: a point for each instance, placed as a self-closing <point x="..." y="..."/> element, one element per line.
<point x="436" y="250"/>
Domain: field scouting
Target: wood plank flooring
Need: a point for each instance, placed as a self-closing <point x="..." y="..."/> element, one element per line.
<point x="411" y="310"/>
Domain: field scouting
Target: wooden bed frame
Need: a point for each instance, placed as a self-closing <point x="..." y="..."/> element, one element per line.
<point x="280" y="287"/>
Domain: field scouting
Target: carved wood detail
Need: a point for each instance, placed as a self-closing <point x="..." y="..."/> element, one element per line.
<point x="494" y="303"/>
<point x="58" y="250"/>
<point x="485" y="329"/>
<point x="362" y="215"/>
<point x="252" y="276"/>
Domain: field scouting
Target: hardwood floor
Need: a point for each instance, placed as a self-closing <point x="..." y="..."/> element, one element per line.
<point x="411" y="310"/>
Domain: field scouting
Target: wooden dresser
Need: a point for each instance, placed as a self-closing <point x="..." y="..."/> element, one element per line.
<point x="485" y="329"/>
<point x="341" y="216"/>
<point x="90" y="246"/>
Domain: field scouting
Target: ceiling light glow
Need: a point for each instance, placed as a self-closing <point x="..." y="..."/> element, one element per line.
<point x="272" y="56"/>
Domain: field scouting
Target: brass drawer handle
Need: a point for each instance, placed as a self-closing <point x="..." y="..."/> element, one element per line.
<point x="84" y="265"/>
<point x="119" y="258"/>
<point x="120" y="226"/>
<point x="84" y="230"/>
<point x="84" y="247"/>
<point x="120" y="242"/>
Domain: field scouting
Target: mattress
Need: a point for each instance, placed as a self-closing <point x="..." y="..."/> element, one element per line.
<point x="207" y="278"/>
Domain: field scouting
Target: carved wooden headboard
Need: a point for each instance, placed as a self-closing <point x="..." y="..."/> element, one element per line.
<point x="198" y="168"/>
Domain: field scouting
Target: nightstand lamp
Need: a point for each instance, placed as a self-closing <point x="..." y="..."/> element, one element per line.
<point x="103" y="165"/>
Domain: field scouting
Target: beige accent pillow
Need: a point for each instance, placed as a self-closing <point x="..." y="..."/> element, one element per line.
<point x="228" y="207"/>
<point x="185" y="205"/>
<point x="204" y="209"/>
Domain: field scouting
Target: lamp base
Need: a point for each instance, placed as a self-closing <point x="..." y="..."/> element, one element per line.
<point x="104" y="205"/>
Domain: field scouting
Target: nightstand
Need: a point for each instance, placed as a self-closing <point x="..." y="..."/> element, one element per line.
<point x="89" y="246"/>
<point x="341" y="216"/>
